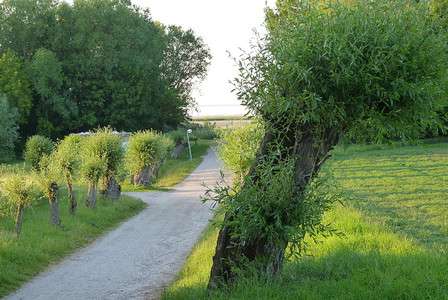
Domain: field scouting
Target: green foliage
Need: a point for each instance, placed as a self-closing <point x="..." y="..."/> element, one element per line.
<point x="16" y="190"/>
<point x="15" y="84"/>
<point x="47" y="175"/>
<point x="351" y="65"/>
<point x="102" y="154"/>
<point x="51" y="107"/>
<point x="166" y="145"/>
<point x="8" y="130"/>
<point x="185" y="62"/>
<point x="67" y="155"/>
<point x="207" y="131"/>
<point x="238" y="148"/>
<point x="263" y="209"/>
<point x="394" y="226"/>
<point x="71" y="66"/>
<point x="173" y="170"/>
<point x="143" y="150"/>
<point x="93" y="169"/>
<point x="36" y="147"/>
<point x="178" y="136"/>
<point x="106" y="146"/>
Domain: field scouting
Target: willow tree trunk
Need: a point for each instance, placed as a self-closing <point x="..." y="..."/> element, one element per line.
<point x="113" y="189"/>
<point x="91" y="195"/>
<point x="309" y="154"/>
<point x="19" y="219"/>
<point x="71" y="195"/>
<point x="142" y="177"/>
<point x="54" y="204"/>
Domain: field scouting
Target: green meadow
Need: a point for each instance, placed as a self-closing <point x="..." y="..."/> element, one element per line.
<point x="394" y="238"/>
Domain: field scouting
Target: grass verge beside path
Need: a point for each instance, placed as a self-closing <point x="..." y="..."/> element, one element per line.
<point x="42" y="244"/>
<point x="173" y="171"/>
<point x="395" y="235"/>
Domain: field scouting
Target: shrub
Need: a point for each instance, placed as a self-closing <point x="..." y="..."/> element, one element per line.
<point x="47" y="178"/>
<point x="36" y="147"/>
<point x="104" y="144"/>
<point x="238" y="147"/>
<point x="166" y="145"/>
<point x="8" y="130"/>
<point x="92" y="169"/>
<point x="207" y="131"/>
<point x="67" y="158"/>
<point x="142" y="150"/>
<point x="17" y="192"/>
<point x="146" y="150"/>
<point x="101" y="157"/>
<point x="178" y="136"/>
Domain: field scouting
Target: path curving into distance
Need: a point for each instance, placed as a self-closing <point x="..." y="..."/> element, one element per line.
<point x="142" y="256"/>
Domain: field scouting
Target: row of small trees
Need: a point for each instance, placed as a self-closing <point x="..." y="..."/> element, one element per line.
<point x="96" y="160"/>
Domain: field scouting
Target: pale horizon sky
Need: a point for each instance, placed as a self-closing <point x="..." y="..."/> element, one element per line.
<point x="225" y="27"/>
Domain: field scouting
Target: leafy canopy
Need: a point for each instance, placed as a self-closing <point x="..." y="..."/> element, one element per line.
<point x="37" y="147"/>
<point x="375" y="67"/>
<point x="146" y="149"/>
<point x="8" y="129"/>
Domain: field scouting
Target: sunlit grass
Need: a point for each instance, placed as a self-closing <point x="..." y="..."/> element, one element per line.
<point x="395" y="239"/>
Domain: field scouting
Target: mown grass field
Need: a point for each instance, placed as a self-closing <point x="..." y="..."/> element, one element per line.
<point x="395" y="239"/>
<point x="174" y="171"/>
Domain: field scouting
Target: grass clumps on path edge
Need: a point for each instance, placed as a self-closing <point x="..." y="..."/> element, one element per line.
<point x="42" y="244"/>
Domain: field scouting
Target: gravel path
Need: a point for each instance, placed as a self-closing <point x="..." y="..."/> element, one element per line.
<point x="139" y="258"/>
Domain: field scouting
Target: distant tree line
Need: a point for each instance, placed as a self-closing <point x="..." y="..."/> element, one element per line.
<point x="66" y="68"/>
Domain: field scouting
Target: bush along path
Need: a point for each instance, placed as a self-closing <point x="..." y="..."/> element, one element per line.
<point x="141" y="257"/>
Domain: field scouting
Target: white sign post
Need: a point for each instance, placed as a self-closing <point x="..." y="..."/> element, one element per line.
<point x="189" y="131"/>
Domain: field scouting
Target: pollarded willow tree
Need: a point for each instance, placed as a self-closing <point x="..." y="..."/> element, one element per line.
<point x="324" y="69"/>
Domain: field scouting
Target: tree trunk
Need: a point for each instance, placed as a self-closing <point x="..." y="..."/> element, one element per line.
<point x="71" y="195"/>
<point x="54" y="204"/>
<point x="143" y="177"/>
<point x="309" y="155"/>
<point x="177" y="151"/>
<point x="113" y="189"/>
<point x="91" y="196"/>
<point x="19" y="219"/>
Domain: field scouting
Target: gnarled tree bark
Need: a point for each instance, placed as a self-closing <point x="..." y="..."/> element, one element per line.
<point x="91" y="195"/>
<point x="19" y="219"/>
<point x="54" y="204"/>
<point x="113" y="188"/>
<point x="71" y="195"/>
<point x="309" y="153"/>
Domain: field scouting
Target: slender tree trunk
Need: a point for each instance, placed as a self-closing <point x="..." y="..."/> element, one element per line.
<point x="71" y="195"/>
<point x="19" y="219"/>
<point x="91" y="197"/>
<point x="231" y="252"/>
<point x="54" y="204"/>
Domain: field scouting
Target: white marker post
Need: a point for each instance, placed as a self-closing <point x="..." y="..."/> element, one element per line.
<point x="189" y="131"/>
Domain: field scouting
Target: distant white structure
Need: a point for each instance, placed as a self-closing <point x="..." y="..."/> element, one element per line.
<point x="124" y="135"/>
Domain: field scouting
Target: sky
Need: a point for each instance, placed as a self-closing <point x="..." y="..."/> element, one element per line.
<point x="225" y="26"/>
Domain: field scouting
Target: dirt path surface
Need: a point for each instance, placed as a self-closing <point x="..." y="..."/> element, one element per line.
<point x="142" y="256"/>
